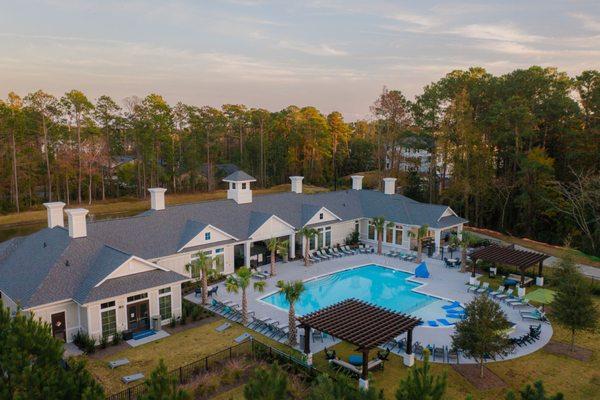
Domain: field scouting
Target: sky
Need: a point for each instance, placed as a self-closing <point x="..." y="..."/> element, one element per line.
<point x="335" y="55"/>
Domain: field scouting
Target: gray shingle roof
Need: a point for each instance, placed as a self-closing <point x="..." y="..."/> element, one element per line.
<point x="49" y="266"/>
<point x="239" y="176"/>
<point x="157" y="234"/>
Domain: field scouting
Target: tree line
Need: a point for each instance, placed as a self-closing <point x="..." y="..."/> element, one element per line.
<point x="519" y="152"/>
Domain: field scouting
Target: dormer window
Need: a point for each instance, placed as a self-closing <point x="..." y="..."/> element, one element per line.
<point x="207" y="236"/>
<point x="321" y="216"/>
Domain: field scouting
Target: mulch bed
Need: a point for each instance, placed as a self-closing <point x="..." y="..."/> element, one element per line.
<point x="471" y="373"/>
<point x="564" y="349"/>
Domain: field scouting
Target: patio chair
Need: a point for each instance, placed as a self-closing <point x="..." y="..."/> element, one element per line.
<point x="439" y="353"/>
<point x="197" y="291"/>
<point x="330" y="354"/>
<point x="391" y="253"/>
<point x="484" y="288"/>
<point x="212" y="291"/>
<point x="501" y="289"/>
<point x="505" y="296"/>
<point x="451" y="355"/>
<point x="473" y="287"/>
<point x="383" y="355"/>
<point x="418" y="349"/>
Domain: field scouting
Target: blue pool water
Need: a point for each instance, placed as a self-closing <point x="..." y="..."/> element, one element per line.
<point x="375" y="284"/>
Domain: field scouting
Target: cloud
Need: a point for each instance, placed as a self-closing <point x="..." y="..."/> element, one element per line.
<point x="508" y="33"/>
<point x="590" y="23"/>
<point x="315" y="50"/>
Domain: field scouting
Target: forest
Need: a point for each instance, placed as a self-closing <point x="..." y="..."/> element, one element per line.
<point x="518" y="153"/>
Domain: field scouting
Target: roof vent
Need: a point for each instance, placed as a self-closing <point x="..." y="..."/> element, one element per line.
<point x="239" y="187"/>
<point x="67" y="263"/>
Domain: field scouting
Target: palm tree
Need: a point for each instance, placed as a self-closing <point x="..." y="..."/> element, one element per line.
<point x="201" y="269"/>
<point x="276" y="246"/>
<point x="421" y="234"/>
<point x="464" y="243"/>
<point x="241" y="281"/>
<point x="292" y="292"/>
<point x="307" y="233"/>
<point x="380" y="224"/>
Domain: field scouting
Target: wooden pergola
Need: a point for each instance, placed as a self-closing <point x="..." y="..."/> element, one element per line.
<point x="508" y="255"/>
<point x="361" y="324"/>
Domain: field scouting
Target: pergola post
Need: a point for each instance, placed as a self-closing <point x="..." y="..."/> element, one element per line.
<point x="521" y="287"/>
<point x="472" y="278"/>
<point x="307" y="344"/>
<point x="539" y="280"/>
<point x="363" y="382"/>
<point x="409" y="357"/>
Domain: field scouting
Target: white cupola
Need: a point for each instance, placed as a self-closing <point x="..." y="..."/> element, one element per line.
<point x="296" y="183"/>
<point x="157" y="198"/>
<point x="357" y="182"/>
<point x="239" y="187"/>
<point x="389" y="185"/>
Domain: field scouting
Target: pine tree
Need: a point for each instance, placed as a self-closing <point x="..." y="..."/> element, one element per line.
<point x="536" y="392"/>
<point x="162" y="386"/>
<point x="267" y="384"/>
<point x="573" y="305"/>
<point x="31" y="363"/>
<point x="421" y="385"/>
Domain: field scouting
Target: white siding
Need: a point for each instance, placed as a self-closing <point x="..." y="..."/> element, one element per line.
<point x="129" y="267"/>
<point x="327" y="216"/>
<point x="273" y="227"/>
<point x="8" y="302"/>
<point x="178" y="262"/>
<point x="215" y="236"/>
<point x="71" y="310"/>
<point x="340" y="231"/>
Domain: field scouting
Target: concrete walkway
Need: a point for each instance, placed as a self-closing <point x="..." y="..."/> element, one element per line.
<point x="444" y="283"/>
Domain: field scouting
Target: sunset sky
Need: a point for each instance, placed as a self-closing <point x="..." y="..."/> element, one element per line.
<point x="335" y="55"/>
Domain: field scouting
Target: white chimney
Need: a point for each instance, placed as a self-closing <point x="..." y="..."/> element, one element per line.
<point x="389" y="185"/>
<point x="296" y="183"/>
<point x="157" y="198"/>
<point x="357" y="182"/>
<point x="77" y="224"/>
<point x="55" y="214"/>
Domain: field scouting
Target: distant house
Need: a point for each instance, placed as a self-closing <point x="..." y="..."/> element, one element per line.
<point x="107" y="276"/>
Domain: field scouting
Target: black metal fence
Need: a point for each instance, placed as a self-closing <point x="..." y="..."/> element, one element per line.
<point x="252" y="348"/>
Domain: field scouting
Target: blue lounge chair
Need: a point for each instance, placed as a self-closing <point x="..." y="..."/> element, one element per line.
<point x="445" y="322"/>
<point x="454" y="304"/>
<point x="421" y="271"/>
<point x="432" y="323"/>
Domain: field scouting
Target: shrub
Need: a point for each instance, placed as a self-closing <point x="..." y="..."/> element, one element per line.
<point x="173" y="322"/>
<point x="353" y="238"/>
<point x="117" y="338"/>
<point x="85" y="343"/>
<point x="104" y="341"/>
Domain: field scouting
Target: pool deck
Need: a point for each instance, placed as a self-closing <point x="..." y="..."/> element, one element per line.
<point x="449" y="284"/>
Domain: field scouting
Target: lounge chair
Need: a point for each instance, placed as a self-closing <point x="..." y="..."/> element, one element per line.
<point x="536" y="315"/>
<point x="505" y="296"/>
<point x="521" y="303"/>
<point x="259" y="275"/>
<point x="331" y="253"/>
<point x="348" y="250"/>
<point x="432" y="323"/>
<point x="483" y="288"/>
<point x="319" y="256"/>
<point x="324" y="255"/>
<point x="337" y="252"/>
<point x="445" y="322"/>
<point x="501" y="289"/>
<point x="312" y="259"/>
<point x="473" y="287"/>
<point x="118" y="363"/>
<point x="454" y="304"/>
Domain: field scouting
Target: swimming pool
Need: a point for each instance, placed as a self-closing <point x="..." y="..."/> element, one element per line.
<point x="382" y="286"/>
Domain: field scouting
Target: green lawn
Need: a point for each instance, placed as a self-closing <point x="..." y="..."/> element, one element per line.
<point x="576" y="379"/>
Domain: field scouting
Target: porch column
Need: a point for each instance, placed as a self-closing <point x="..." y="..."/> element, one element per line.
<point x="406" y="237"/>
<point x="292" y="244"/>
<point x="247" y="246"/>
<point x="437" y="237"/>
<point x="363" y="382"/>
<point x="307" y="344"/>
<point x="409" y="357"/>
<point x="459" y="231"/>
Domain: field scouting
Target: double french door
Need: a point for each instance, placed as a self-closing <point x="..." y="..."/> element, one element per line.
<point x="138" y="316"/>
